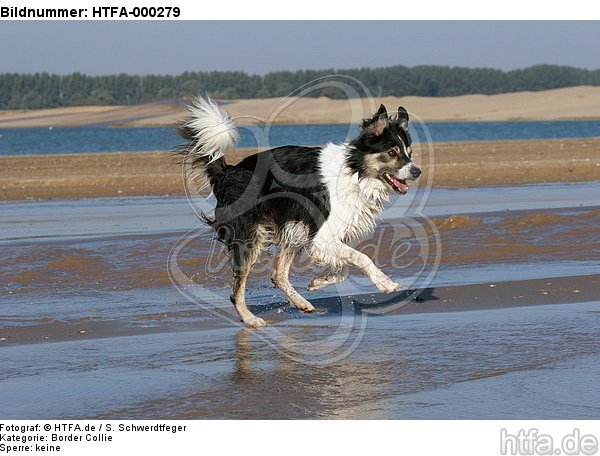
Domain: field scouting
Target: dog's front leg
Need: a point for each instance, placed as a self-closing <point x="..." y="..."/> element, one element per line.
<point x="362" y="261"/>
<point x="329" y="279"/>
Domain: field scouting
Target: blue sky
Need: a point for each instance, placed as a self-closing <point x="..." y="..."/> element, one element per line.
<point x="259" y="47"/>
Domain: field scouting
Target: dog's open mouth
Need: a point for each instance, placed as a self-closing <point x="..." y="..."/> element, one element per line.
<point x="399" y="185"/>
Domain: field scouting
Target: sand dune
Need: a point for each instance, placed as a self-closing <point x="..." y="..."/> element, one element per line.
<point x="569" y="103"/>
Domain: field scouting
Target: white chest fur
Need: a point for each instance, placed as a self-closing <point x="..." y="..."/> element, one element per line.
<point x="355" y="204"/>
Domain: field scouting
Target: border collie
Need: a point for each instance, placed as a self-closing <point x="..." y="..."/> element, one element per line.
<point x="298" y="197"/>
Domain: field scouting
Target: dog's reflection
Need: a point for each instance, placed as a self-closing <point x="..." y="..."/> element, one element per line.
<point x="283" y="387"/>
<point x="250" y="349"/>
<point x="242" y="352"/>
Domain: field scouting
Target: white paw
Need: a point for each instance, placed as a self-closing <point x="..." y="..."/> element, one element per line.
<point x="303" y="305"/>
<point x="317" y="283"/>
<point x="254" y="322"/>
<point x="387" y="286"/>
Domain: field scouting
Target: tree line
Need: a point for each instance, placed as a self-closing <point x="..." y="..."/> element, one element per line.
<point x="43" y="90"/>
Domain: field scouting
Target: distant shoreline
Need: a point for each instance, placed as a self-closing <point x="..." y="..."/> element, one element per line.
<point x="573" y="103"/>
<point x="436" y="121"/>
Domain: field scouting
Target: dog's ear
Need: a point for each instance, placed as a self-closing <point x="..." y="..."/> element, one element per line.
<point x="378" y="122"/>
<point x="402" y="115"/>
<point x="382" y="112"/>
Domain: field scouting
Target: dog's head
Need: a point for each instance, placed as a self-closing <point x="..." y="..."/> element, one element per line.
<point x="383" y="150"/>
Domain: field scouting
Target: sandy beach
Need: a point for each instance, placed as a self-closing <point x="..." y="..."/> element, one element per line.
<point x="466" y="164"/>
<point x="570" y="103"/>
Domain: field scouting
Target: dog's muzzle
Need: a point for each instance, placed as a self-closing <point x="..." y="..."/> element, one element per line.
<point x="398" y="185"/>
<point x="398" y="181"/>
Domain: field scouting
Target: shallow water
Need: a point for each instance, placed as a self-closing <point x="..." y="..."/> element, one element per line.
<point x="91" y="326"/>
<point x="28" y="141"/>
<point x="528" y="363"/>
<point x="30" y="220"/>
<point x="107" y="258"/>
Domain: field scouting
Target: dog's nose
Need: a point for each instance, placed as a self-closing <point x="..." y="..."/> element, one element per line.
<point x="416" y="172"/>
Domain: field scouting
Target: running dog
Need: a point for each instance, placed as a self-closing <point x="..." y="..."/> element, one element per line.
<point x="298" y="197"/>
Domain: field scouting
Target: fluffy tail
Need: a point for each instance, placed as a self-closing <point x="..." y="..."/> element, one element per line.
<point x="210" y="133"/>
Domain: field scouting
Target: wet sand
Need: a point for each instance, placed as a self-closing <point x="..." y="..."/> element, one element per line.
<point x="457" y="164"/>
<point x="507" y="327"/>
<point x="570" y="103"/>
<point x="442" y="299"/>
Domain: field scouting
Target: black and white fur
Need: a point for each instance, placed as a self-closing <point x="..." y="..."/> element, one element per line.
<point x="297" y="197"/>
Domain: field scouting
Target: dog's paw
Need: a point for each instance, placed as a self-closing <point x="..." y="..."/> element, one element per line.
<point x="317" y="283"/>
<point x="387" y="286"/>
<point x="302" y="304"/>
<point x="254" y="322"/>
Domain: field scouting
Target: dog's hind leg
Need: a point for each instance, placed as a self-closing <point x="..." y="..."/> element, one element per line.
<point x="243" y="259"/>
<point x="329" y="279"/>
<point x="283" y="262"/>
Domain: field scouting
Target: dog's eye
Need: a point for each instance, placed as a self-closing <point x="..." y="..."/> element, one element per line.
<point x="392" y="152"/>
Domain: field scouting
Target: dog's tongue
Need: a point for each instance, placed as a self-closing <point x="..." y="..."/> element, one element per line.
<point x="400" y="184"/>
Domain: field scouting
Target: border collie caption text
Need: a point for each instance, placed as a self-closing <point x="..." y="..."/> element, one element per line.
<point x="55" y="437"/>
